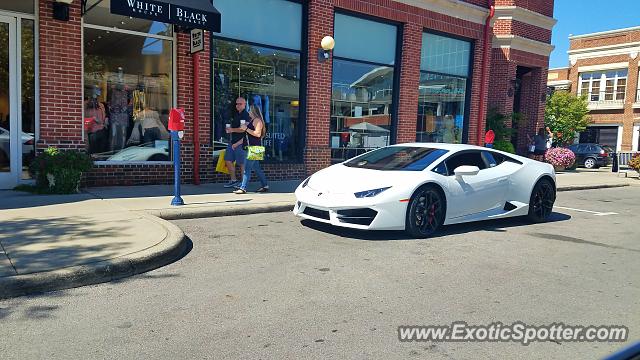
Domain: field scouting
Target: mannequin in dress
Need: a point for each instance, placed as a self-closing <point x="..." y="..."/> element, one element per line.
<point x="119" y="111"/>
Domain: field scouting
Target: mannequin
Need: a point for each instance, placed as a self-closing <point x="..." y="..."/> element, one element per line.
<point x="119" y="111"/>
<point x="96" y="122"/>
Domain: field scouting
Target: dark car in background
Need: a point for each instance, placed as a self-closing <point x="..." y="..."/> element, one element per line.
<point x="592" y="155"/>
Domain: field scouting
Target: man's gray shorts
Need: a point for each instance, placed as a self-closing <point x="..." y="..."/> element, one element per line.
<point x="238" y="155"/>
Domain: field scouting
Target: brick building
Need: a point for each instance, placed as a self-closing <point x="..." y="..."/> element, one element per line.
<point x="604" y="68"/>
<point x="401" y="71"/>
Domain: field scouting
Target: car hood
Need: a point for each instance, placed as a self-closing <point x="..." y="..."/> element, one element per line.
<point x="340" y="179"/>
<point x="136" y="153"/>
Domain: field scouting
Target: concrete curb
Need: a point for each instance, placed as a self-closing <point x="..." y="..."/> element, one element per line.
<point x="197" y="213"/>
<point x="166" y="251"/>
<point x="589" y="187"/>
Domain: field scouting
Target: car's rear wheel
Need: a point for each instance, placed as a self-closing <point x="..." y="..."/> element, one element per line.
<point x="426" y="212"/>
<point x="590" y="163"/>
<point x="541" y="203"/>
<point x="158" y="157"/>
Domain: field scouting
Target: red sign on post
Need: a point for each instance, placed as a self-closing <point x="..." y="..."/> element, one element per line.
<point x="176" y="119"/>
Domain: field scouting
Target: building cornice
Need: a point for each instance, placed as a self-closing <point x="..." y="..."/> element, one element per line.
<point x="523" y="44"/>
<point x="454" y="8"/>
<point x="603" y="33"/>
<point x="631" y="49"/>
<point x="524" y="15"/>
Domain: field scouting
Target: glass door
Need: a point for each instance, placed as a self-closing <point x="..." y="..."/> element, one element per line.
<point x="10" y="151"/>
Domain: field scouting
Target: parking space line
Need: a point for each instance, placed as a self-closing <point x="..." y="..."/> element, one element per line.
<point x="596" y="213"/>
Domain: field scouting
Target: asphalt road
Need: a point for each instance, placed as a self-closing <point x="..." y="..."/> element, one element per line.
<point x="271" y="287"/>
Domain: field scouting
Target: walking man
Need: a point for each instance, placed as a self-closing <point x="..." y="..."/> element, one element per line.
<point x="235" y="150"/>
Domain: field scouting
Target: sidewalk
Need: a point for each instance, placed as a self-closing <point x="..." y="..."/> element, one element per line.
<point x="63" y="241"/>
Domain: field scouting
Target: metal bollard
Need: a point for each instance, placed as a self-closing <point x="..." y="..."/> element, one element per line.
<point x="614" y="165"/>
<point x="177" y="199"/>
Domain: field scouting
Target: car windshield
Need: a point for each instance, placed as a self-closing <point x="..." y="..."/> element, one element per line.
<point x="405" y="158"/>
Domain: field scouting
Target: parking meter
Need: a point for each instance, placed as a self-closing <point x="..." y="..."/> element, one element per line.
<point x="176" y="126"/>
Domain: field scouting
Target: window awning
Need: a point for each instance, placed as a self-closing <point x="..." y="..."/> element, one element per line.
<point x="196" y="14"/>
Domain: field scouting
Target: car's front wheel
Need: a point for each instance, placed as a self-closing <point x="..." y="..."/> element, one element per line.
<point x="541" y="203"/>
<point x="426" y="212"/>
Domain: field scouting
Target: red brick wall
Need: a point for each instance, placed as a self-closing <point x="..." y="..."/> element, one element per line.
<point x="544" y="7"/>
<point x="317" y="154"/>
<point x="561" y="74"/>
<point x="503" y="27"/>
<point x="502" y="72"/>
<point x="409" y="79"/>
<point x="60" y="49"/>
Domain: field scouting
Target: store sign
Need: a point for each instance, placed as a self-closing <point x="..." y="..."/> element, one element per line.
<point x="198" y="14"/>
<point x="197" y="40"/>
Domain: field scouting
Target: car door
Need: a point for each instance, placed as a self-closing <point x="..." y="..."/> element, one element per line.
<point x="469" y="195"/>
<point x="578" y="150"/>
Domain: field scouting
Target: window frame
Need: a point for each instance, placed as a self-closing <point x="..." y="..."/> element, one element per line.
<point x="469" y="82"/>
<point x="397" y="68"/>
<point x="602" y="85"/>
<point x="174" y="81"/>
<point x="301" y="126"/>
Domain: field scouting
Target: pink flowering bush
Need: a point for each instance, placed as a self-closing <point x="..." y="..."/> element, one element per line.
<point x="560" y="157"/>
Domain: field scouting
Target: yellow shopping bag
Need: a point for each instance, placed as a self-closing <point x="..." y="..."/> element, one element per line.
<point x="221" y="166"/>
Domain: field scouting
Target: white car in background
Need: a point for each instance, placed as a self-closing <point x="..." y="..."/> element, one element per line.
<point x="422" y="186"/>
<point x="157" y="151"/>
<point x="27" y="140"/>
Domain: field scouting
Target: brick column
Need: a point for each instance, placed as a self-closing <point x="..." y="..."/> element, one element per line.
<point x="503" y="71"/>
<point x="60" y="48"/>
<point x="409" y="82"/>
<point x="186" y="100"/>
<point x="317" y="153"/>
<point x="531" y="106"/>
<point x="629" y="100"/>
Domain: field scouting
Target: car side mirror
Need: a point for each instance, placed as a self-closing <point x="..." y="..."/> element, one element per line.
<point x="466" y="170"/>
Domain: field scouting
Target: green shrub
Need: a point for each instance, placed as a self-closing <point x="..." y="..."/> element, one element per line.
<point x="504" y="145"/>
<point x="59" y="172"/>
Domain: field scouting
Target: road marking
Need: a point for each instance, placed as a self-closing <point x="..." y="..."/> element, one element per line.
<point x="596" y="213"/>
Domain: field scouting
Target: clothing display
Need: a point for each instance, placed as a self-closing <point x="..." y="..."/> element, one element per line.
<point x="96" y="126"/>
<point x="119" y="116"/>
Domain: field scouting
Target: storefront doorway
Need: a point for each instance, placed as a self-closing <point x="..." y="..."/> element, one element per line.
<point x="17" y="92"/>
<point x="9" y="142"/>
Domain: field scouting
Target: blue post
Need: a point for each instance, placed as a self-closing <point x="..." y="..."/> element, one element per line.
<point x="177" y="200"/>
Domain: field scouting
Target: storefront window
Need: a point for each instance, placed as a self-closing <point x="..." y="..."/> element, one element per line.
<point x="128" y="88"/>
<point x="266" y="75"/>
<point x="443" y="88"/>
<point x="362" y="86"/>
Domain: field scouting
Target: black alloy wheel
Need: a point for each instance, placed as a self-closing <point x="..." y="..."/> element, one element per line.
<point x="541" y="202"/>
<point x="426" y="212"/>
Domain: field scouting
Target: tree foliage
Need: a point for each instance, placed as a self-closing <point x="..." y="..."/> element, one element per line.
<point x="565" y="115"/>
<point x="497" y="122"/>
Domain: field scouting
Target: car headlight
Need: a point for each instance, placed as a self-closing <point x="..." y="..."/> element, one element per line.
<point x="370" y="193"/>
<point x="306" y="182"/>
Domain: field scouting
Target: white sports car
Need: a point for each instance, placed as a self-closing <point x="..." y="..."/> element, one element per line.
<point x="419" y="187"/>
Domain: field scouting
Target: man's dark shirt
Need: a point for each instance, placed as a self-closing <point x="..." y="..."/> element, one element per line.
<point x="235" y="123"/>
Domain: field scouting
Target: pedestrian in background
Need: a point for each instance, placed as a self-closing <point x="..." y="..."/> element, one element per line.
<point x="538" y="144"/>
<point x="255" y="130"/>
<point x="235" y="150"/>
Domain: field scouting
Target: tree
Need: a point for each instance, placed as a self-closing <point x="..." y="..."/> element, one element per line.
<point x="565" y="115"/>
